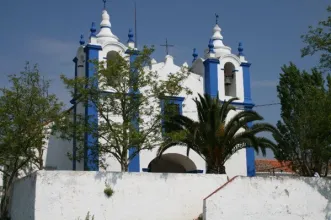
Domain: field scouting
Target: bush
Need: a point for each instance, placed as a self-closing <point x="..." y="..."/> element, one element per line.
<point x="108" y="191"/>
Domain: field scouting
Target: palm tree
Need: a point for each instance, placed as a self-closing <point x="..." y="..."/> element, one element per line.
<point x="214" y="139"/>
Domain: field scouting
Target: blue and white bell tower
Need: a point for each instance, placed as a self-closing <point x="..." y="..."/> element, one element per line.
<point x="227" y="75"/>
<point x="101" y="46"/>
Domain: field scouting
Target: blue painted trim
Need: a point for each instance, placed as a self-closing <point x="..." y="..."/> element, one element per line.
<point x="250" y="155"/>
<point x="134" y="165"/>
<point x="211" y="77"/>
<point x="82" y="41"/>
<point x="171" y="100"/>
<point x="91" y="154"/>
<point x="74" y="138"/>
<point x="90" y="47"/>
<point x="195" y="171"/>
<point x="240" y="49"/>
<point x="146" y="170"/>
<point x="130" y="36"/>
<point x="211" y="46"/>
<point x="93" y="30"/>
<point x="247" y="82"/>
<point x="132" y="52"/>
<point x="105" y="27"/>
<point x="74" y="100"/>
<point x="195" y="55"/>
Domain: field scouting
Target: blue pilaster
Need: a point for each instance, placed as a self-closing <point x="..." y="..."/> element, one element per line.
<point x="248" y="104"/>
<point x="74" y="141"/>
<point x="247" y="82"/>
<point x="211" y="77"/>
<point x="134" y="165"/>
<point x="91" y="157"/>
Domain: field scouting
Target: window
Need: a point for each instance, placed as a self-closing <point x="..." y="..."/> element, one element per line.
<point x="171" y="106"/>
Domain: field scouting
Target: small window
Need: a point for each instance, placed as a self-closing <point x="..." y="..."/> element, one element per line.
<point x="171" y="106"/>
<point x="170" y="110"/>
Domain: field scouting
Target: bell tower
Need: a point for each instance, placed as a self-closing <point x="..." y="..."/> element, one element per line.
<point x="228" y="76"/>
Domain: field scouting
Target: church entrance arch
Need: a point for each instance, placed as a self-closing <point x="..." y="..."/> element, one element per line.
<point x="172" y="163"/>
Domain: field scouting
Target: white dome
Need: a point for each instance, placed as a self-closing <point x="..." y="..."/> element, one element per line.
<point x="105" y="33"/>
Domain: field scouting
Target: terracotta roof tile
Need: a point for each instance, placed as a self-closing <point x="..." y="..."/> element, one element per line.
<point x="267" y="165"/>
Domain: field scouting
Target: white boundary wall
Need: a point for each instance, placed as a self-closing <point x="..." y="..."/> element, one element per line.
<point x="67" y="195"/>
<point x="271" y="198"/>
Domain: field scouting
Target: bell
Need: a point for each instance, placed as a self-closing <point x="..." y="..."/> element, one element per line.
<point x="228" y="80"/>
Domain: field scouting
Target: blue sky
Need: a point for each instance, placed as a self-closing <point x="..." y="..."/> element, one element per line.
<point x="47" y="32"/>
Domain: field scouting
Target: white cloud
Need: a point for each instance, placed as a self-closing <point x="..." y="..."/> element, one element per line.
<point x="264" y="83"/>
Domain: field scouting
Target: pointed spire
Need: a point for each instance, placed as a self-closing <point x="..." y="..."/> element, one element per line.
<point x="93" y="30"/>
<point x="217" y="33"/>
<point x="195" y="55"/>
<point x="82" y="41"/>
<point x="240" y="49"/>
<point x="130" y="35"/>
<point x="105" y="32"/>
<point x="219" y="47"/>
<point x="131" y="40"/>
<point x="241" y="53"/>
<point x="105" y="23"/>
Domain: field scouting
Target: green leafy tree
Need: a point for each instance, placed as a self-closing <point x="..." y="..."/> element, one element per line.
<point x="126" y="93"/>
<point x="305" y="126"/>
<point x="214" y="139"/>
<point x="25" y="111"/>
<point x="318" y="40"/>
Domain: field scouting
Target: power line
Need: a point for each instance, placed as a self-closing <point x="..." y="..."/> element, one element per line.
<point x="270" y="104"/>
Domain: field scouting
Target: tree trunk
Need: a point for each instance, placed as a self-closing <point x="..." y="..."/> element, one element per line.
<point x="326" y="169"/>
<point x="124" y="166"/>
<point x="5" y="197"/>
<point x="216" y="169"/>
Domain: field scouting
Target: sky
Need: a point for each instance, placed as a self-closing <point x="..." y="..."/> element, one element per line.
<point x="47" y="33"/>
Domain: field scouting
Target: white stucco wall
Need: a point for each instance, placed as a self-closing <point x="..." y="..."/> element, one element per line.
<point x="271" y="198"/>
<point x="237" y="163"/>
<point x="22" y="204"/>
<point x="68" y="195"/>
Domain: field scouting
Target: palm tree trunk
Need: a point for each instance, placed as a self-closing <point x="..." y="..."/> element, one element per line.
<point x="216" y="169"/>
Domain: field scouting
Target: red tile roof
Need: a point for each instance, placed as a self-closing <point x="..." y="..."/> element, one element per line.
<point x="272" y="165"/>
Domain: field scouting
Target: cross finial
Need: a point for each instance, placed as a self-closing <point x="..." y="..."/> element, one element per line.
<point x="167" y="46"/>
<point x="216" y="15"/>
<point x="104" y="4"/>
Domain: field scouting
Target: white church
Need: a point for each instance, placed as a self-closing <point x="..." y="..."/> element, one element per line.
<point x="219" y="71"/>
<point x="171" y="187"/>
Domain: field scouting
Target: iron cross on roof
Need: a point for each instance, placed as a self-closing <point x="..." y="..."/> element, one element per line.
<point x="167" y="46"/>
<point x="104" y="4"/>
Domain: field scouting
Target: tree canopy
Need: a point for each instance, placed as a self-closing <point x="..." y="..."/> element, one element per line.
<point x="318" y="40"/>
<point x="306" y="120"/>
<point x="214" y="139"/>
<point x="26" y="108"/>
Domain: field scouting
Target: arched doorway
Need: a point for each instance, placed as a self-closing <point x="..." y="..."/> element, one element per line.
<point x="172" y="163"/>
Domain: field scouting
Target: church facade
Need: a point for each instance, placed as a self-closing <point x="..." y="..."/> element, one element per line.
<point x="217" y="72"/>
